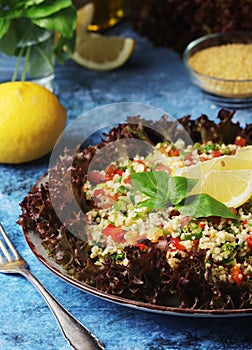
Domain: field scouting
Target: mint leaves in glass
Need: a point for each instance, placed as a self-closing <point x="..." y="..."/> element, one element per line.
<point x="35" y="32"/>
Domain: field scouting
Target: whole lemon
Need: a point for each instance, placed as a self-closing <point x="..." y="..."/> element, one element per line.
<point x="31" y="120"/>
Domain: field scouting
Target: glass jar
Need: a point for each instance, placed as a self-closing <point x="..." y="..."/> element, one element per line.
<point x="32" y="61"/>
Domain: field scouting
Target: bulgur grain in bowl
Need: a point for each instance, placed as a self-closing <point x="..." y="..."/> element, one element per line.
<point x="221" y="65"/>
<point x="146" y="241"/>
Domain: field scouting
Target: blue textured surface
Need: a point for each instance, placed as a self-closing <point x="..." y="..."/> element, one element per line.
<point x="154" y="76"/>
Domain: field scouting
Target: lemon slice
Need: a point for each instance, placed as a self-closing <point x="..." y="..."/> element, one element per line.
<point x="98" y="52"/>
<point x="227" y="178"/>
<point x="85" y="15"/>
<point x="245" y="153"/>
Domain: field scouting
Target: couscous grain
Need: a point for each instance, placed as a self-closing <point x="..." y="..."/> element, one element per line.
<point x="225" y="69"/>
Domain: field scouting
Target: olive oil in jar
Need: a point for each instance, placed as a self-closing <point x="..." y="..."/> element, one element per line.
<point x="108" y="13"/>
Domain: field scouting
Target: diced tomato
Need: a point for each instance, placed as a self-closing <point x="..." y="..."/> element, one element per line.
<point x="201" y="225"/>
<point x="185" y="220"/>
<point x="189" y="158"/>
<point x="237" y="274"/>
<point x="143" y="247"/>
<point x="176" y="244"/>
<point x="240" y="141"/>
<point x="216" y="154"/>
<point x="96" y="177"/>
<point x="195" y="243"/>
<point x="98" y="192"/>
<point x="111" y="171"/>
<point x="139" y="161"/>
<point x="98" y="197"/>
<point x="173" y="153"/>
<point x="128" y="180"/>
<point x="203" y="159"/>
<point x="163" y="167"/>
<point x="249" y="240"/>
<point x="116" y="233"/>
<point x="107" y="230"/>
<point x="119" y="172"/>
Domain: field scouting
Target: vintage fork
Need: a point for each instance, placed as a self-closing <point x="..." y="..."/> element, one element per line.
<point x="77" y="335"/>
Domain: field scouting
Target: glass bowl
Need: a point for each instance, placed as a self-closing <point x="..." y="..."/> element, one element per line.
<point x="221" y="65"/>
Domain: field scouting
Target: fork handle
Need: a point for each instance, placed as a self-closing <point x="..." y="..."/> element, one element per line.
<point x="78" y="336"/>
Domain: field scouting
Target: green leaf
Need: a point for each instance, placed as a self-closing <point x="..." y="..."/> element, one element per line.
<point x="10" y="14"/>
<point x="8" y="42"/>
<point x="203" y="205"/>
<point x="26" y="23"/>
<point x="164" y="190"/>
<point x="28" y="3"/>
<point x="162" y="186"/>
<point x="63" y="22"/>
<point x="4" y="26"/>
<point x="145" y="182"/>
<point x="41" y="62"/>
<point x="64" y="48"/>
<point x="46" y="8"/>
<point x="179" y="187"/>
<point x="29" y="34"/>
<point x="154" y="203"/>
<point x="12" y="4"/>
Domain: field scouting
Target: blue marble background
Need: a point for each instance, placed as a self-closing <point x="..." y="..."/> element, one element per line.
<point x="154" y="76"/>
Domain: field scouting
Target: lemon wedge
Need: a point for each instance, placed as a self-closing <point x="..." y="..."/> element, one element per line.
<point x="226" y="178"/>
<point x="97" y="51"/>
<point x="245" y="153"/>
<point x="85" y="15"/>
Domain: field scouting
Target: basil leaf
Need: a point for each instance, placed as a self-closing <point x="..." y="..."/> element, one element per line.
<point x="148" y="203"/>
<point x="179" y="187"/>
<point x="145" y="182"/>
<point x="162" y="186"/>
<point x="165" y="190"/>
<point x="4" y="26"/>
<point x="154" y="203"/>
<point x="41" y="59"/>
<point x="57" y="22"/>
<point x="46" y="8"/>
<point x="10" y="14"/>
<point x="28" y="3"/>
<point x="203" y="205"/>
<point x="8" y="43"/>
<point x="68" y="44"/>
<point x="25" y="24"/>
<point x="28" y="34"/>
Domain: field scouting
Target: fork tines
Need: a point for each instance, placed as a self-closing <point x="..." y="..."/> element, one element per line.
<point x="4" y="249"/>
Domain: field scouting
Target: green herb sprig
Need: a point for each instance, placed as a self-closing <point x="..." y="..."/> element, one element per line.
<point x="27" y="29"/>
<point x="165" y="190"/>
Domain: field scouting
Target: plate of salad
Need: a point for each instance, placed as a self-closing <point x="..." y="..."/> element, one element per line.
<point x="140" y="220"/>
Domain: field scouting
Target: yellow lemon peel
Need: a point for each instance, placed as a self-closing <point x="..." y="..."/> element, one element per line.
<point x="32" y="118"/>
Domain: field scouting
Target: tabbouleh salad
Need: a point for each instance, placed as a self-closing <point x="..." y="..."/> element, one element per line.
<point x="116" y="220"/>
<point x="141" y="245"/>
